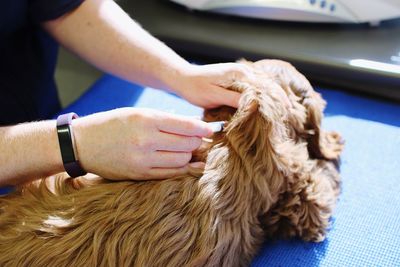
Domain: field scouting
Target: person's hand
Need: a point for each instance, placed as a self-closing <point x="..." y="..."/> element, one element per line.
<point x="205" y="85"/>
<point x="131" y="143"/>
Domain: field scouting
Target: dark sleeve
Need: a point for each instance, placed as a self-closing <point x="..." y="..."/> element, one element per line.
<point x="43" y="10"/>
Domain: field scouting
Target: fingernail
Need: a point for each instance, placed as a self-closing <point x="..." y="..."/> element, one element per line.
<point x="197" y="165"/>
<point x="217" y="126"/>
<point x="207" y="140"/>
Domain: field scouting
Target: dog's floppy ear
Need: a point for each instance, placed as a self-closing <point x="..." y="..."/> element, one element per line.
<point x="252" y="139"/>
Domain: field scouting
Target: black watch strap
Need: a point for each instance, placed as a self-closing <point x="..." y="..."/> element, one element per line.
<point x="65" y="139"/>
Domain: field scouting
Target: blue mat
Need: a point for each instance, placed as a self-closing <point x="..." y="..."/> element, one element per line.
<point x="366" y="224"/>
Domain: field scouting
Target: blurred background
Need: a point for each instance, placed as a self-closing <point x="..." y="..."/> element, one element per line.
<point x="355" y="51"/>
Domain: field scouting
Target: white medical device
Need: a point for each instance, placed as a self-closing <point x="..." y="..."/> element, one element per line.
<point x="333" y="11"/>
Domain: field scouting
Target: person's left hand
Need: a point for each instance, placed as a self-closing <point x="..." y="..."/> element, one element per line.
<point x="205" y="85"/>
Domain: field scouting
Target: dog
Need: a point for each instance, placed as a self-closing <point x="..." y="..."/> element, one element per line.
<point x="272" y="173"/>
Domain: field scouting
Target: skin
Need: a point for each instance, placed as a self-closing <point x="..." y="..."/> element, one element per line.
<point x="124" y="143"/>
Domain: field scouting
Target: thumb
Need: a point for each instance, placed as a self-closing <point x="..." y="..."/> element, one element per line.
<point x="226" y="97"/>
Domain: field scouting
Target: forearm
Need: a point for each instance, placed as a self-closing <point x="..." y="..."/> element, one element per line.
<point x="28" y="151"/>
<point x="103" y="34"/>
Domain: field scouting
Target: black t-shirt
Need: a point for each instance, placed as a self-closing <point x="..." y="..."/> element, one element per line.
<point x="28" y="58"/>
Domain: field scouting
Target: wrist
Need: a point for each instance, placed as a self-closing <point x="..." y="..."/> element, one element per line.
<point x="48" y="161"/>
<point x="39" y="142"/>
<point x="173" y="77"/>
<point x="79" y="129"/>
<point x="67" y="144"/>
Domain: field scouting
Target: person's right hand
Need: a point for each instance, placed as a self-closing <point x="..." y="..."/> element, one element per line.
<point x="132" y="143"/>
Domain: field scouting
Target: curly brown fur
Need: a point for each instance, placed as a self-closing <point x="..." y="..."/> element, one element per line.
<point x="260" y="180"/>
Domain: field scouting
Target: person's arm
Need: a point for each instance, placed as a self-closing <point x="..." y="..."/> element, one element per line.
<point x="127" y="143"/>
<point x="100" y="32"/>
<point x="28" y="151"/>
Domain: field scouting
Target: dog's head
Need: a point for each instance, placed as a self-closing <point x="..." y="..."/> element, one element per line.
<point x="303" y="106"/>
<point x="250" y="147"/>
<point x="275" y="128"/>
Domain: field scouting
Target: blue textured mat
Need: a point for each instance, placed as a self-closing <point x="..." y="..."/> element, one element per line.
<point x="366" y="224"/>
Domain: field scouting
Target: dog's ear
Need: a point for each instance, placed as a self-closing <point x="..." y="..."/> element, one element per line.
<point x="260" y="117"/>
<point x="252" y="139"/>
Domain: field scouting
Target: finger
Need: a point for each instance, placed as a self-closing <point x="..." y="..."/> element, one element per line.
<point x="177" y="143"/>
<point x="166" y="159"/>
<point x="165" y="173"/>
<point x="225" y="97"/>
<point x="181" y="125"/>
<point x="231" y="98"/>
<point x="197" y="165"/>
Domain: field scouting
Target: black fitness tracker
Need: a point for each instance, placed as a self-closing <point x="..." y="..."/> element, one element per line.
<point x="65" y="139"/>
